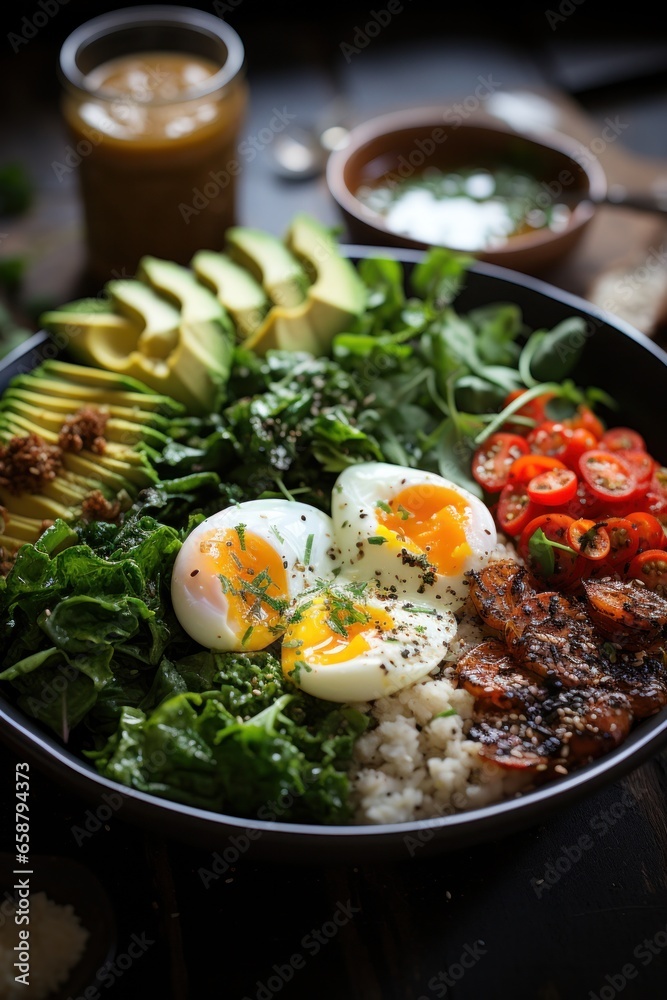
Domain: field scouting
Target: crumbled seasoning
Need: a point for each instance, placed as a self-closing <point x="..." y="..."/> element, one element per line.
<point x="84" y="429"/>
<point x="28" y="463"/>
<point x="96" y="507"/>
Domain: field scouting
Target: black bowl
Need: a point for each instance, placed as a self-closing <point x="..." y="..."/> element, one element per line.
<point x="617" y="358"/>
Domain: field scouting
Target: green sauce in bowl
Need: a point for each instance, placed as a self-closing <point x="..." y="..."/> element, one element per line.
<point x="472" y="209"/>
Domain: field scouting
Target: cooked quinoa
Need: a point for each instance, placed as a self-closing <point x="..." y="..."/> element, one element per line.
<point x="416" y="762"/>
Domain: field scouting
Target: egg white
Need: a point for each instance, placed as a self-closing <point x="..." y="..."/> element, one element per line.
<point x="369" y="551"/>
<point x="399" y="651"/>
<point x="300" y="538"/>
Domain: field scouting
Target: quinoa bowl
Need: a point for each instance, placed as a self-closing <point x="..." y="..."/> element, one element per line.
<point x="402" y="756"/>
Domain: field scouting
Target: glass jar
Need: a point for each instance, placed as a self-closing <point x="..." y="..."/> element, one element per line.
<point x="153" y="100"/>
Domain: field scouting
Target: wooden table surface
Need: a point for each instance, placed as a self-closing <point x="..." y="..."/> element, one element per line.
<point x="574" y="908"/>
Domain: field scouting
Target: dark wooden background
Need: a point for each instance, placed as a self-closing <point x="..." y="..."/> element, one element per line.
<point x="571" y="909"/>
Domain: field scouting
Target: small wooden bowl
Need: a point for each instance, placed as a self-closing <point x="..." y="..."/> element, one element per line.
<point x="403" y="143"/>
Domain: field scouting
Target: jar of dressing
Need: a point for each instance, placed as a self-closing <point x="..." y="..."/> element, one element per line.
<point x="154" y="99"/>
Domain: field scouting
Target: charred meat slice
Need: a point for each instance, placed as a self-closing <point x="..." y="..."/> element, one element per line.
<point x="641" y="677"/>
<point x="546" y="609"/>
<point x="588" y="722"/>
<point x="514" y="743"/>
<point x="626" y="611"/>
<point x="497" y="590"/>
<point x="564" y="653"/>
<point x="489" y="673"/>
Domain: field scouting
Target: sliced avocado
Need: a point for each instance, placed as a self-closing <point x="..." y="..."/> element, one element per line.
<point x="118" y="332"/>
<point x="65" y="493"/>
<point x="26" y="528"/>
<point x="336" y="297"/>
<point x="184" y="356"/>
<point x="64" y="407"/>
<point x="97" y="378"/>
<point x="155" y="319"/>
<point x="180" y="286"/>
<point x="34" y="505"/>
<point x="82" y="464"/>
<point x="125" y="432"/>
<point x="270" y="262"/>
<point x="240" y="293"/>
<point x="83" y="396"/>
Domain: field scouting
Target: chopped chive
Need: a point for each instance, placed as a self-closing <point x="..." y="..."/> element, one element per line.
<point x="445" y="715"/>
<point x="405" y="514"/>
<point x="376" y="540"/>
<point x="246" y="635"/>
<point x="277" y="534"/>
<point x="309" y="549"/>
<point x="240" y="531"/>
<point x="298" y="667"/>
<point x="383" y="505"/>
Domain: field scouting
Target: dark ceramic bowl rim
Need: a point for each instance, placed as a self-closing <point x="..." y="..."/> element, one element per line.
<point x="404" y="120"/>
<point x="24" y="735"/>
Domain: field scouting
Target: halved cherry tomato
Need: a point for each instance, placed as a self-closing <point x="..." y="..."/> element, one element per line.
<point x="580" y="440"/>
<point x="515" y="509"/>
<point x="585" y="418"/>
<point x="623" y="541"/>
<point x="585" y="504"/>
<point x="556" y="564"/>
<point x="492" y="460"/>
<point x="553" y="487"/>
<point x="655" y="500"/>
<point x="608" y="476"/>
<point x="651" y="567"/>
<point x="649" y="529"/>
<point x="527" y="467"/>
<point x="589" y="538"/>
<point x="622" y="439"/>
<point x="642" y="464"/>
<point x="550" y="438"/>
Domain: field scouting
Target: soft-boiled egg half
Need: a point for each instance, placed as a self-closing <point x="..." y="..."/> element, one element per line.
<point x="362" y="602"/>
<point x="412" y="532"/>
<point x="355" y="642"/>
<point x="238" y="571"/>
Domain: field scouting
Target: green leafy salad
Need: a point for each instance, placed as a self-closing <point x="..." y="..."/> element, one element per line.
<point x="90" y="644"/>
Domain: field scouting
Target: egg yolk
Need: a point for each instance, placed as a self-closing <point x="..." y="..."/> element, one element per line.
<point x="331" y="630"/>
<point x="254" y="581"/>
<point x="430" y="519"/>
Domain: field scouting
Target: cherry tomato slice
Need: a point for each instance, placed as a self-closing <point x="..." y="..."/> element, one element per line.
<point x="553" y="487"/>
<point x="492" y="460"/>
<point x="608" y="476"/>
<point x="650" y="530"/>
<point x="588" y="420"/>
<point x="580" y="440"/>
<point x="641" y="464"/>
<point x="655" y="500"/>
<point x="556" y="565"/>
<point x="589" y="538"/>
<point x="515" y="509"/>
<point x="622" y="439"/>
<point x="585" y="504"/>
<point x="651" y="567"/>
<point x="623" y="541"/>
<point x="525" y="468"/>
<point x="550" y="438"/>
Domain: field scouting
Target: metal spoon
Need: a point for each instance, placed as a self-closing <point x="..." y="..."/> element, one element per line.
<point x="301" y="153"/>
